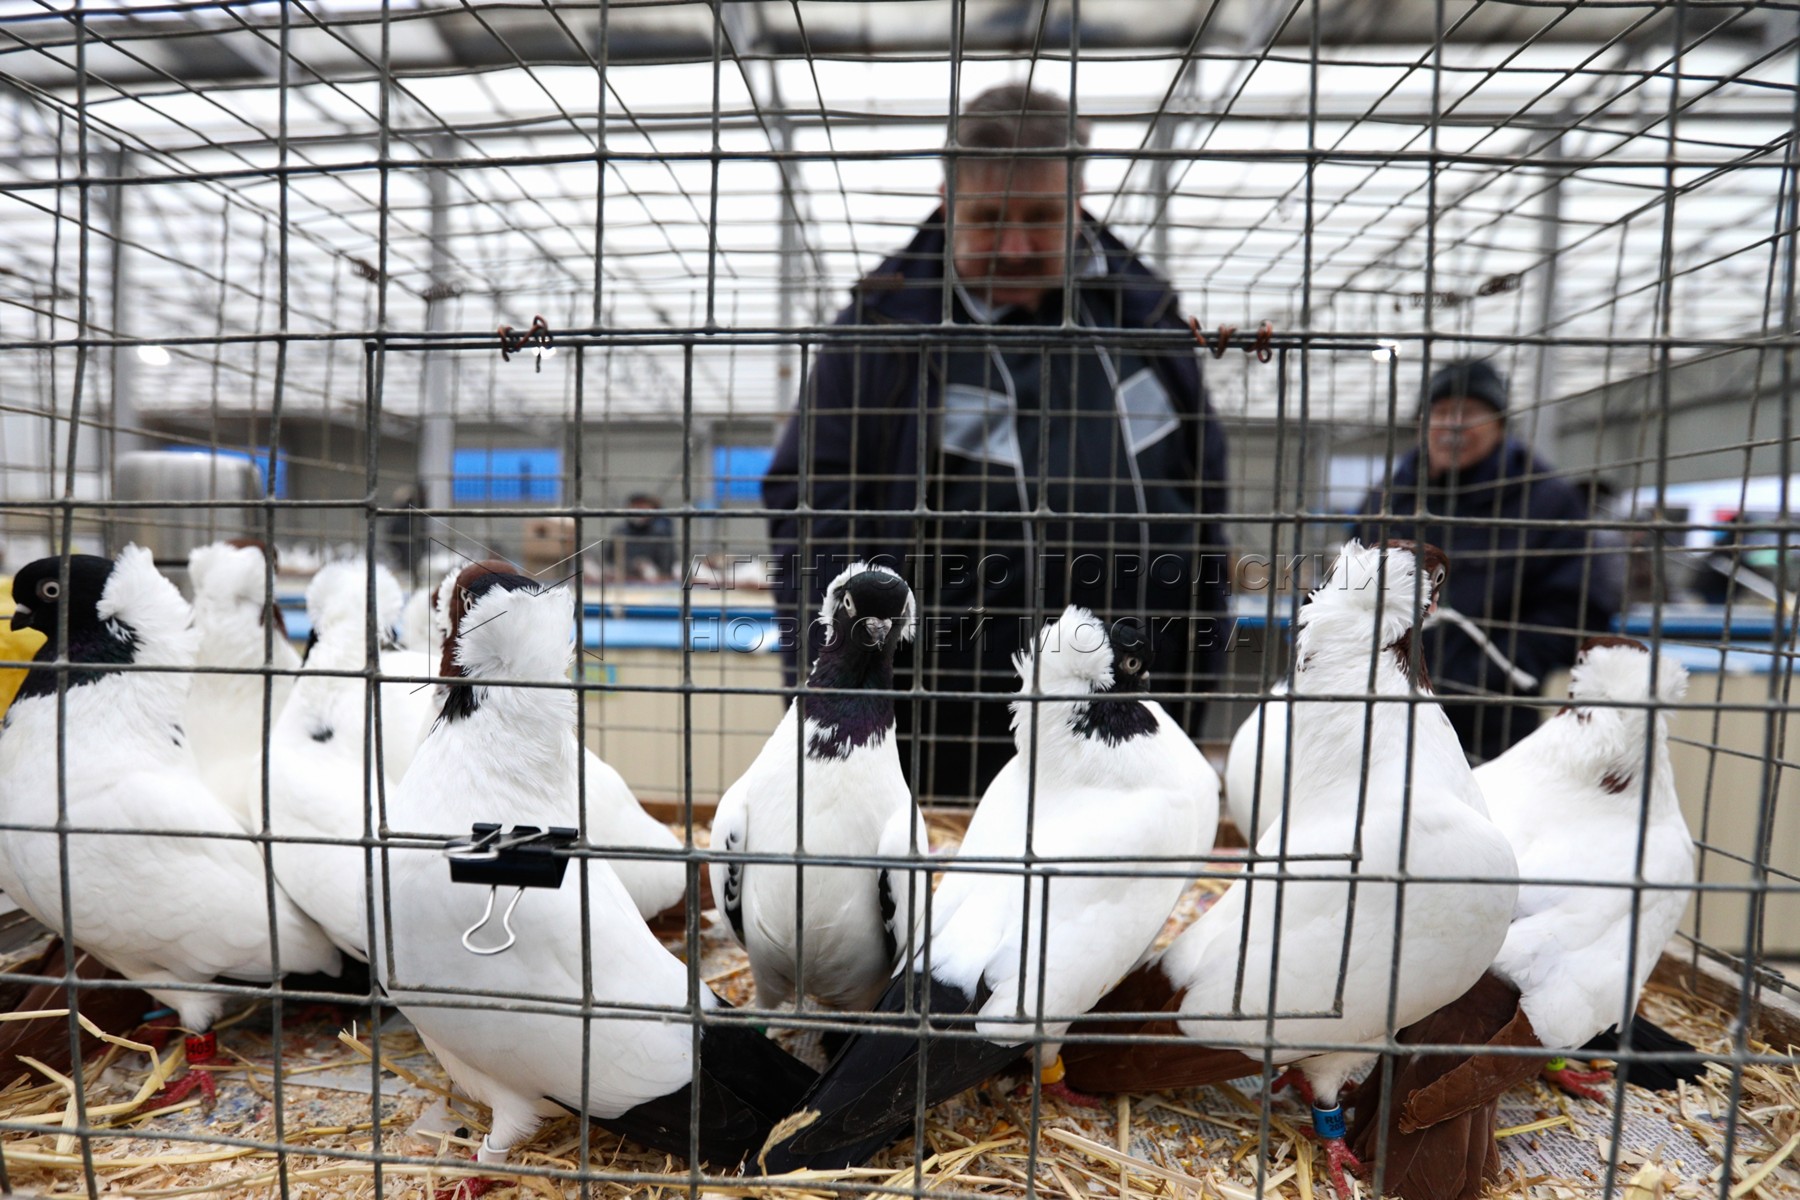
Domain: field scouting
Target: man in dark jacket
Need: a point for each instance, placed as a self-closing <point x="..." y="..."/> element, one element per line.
<point x="1531" y="590"/>
<point x="1021" y="431"/>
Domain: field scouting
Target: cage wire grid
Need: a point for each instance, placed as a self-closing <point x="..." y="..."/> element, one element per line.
<point x="289" y="231"/>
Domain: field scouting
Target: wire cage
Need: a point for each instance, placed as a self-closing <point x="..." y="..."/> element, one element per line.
<point x="651" y="300"/>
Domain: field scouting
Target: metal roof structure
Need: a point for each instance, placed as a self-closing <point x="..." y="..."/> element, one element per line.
<point x="1564" y="174"/>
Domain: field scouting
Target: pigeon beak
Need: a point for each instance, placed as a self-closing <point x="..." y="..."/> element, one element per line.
<point x="21" y="617"/>
<point x="879" y="628"/>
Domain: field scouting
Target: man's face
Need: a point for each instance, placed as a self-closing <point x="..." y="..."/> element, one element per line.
<point x="1012" y="228"/>
<point x="1460" y="432"/>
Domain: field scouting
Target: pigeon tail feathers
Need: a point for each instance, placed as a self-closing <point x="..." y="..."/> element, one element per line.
<point x="747" y="1084"/>
<point x="1663" y="1076"/>
<point x="866" y="1097"/>
<point x="1171" y="1062"/>
<point x="1439" y="1135"/>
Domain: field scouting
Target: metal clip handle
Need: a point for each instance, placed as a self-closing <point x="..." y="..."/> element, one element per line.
<point x="480" y="848"/>
<point x="487" y="915"/>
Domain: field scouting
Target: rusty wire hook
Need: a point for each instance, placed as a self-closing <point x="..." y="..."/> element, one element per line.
<point x="1225" y="335"/>
<point x="1263" y="347"/>
<point x="512" y="341"/>
<point x="1265" y="334"/>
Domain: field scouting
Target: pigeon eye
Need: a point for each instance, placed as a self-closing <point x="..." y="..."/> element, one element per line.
<point x="1131" y="664"/>
<point x="849" y="605"/>
<point x="50" y="589"/>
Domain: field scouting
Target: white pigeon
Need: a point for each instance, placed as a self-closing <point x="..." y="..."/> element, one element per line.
<point x="615" y="818"/>
<point x="1573" y="799"/>
<point x="322" y="781"/>
<point x="617" y="821"/>
<point x="415" y="620"/>
<point x="508" y="755"/>
<point x="408" y="705"/>
<point x="1449" y="931"/>
<point x="1256" y="799"/>
<point x="856" y="802"/>
<point x="1256" y="766"/>
<point x="1098" y="775"/>
<point x="240" y="626"/>
<point x="162" y="911"/>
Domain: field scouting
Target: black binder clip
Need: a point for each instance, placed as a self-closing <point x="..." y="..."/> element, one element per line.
<point x="524" y="857"/>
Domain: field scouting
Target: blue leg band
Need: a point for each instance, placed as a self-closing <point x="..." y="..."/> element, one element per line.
<point x="1328" y="1123"/>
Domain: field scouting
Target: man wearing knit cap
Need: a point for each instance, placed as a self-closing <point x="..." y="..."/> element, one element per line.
<point x="1532" y="590"/>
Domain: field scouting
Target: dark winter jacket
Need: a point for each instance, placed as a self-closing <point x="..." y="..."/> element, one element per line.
<point x="1533" y="588"/>
<point x="873" y="420"/>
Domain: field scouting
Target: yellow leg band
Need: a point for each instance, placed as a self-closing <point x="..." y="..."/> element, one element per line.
<point x="1052" y="1073"/>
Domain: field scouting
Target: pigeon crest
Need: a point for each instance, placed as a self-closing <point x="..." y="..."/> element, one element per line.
<point x="1618" y="668"/>
<point x="337" y="598"/>
<point x="231" y="573"/>
<point x="1076" y="655"/>
<point x="1612" y="670"/>
<point x="1370" y="582"/>
<point x="483" y="644"/>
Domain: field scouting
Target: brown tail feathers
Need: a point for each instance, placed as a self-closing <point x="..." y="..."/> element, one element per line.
<point x="1440" y="1126"/>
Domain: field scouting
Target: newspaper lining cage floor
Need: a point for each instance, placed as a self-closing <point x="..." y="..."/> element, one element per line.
<point x="1194" y="1143"/>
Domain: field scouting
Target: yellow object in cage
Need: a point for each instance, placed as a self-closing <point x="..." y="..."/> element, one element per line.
<point x="15" y="646"/>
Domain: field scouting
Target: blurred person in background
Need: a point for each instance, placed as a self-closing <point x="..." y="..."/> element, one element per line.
<point x="1533" y="590"/>
<point x="402" y="533"/>
<point x="1033" y="393"/>
<point x="643" y="544"/>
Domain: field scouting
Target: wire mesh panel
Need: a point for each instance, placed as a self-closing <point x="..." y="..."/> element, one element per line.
<point x="871" y="486"/>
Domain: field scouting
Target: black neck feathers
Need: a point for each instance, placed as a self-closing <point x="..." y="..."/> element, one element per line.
<point x="98" y="649"/>
<point x="460" y="702"/>
<point x="1114" y="719"/>
<point x="845" y="719"/>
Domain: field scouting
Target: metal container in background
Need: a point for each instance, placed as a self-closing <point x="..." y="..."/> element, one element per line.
<point x="181" y="476"/>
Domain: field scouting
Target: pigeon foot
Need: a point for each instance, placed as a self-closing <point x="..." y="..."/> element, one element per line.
<point x="1337" y="1157"/>
<point x="201" y="1050"/>
<point x="1329" y="1128"/>
<point x="1295" y="1078"/>
<point x="1561" y="1075"/>
<point x="1073" y="1098"/>
<point x="468" y="1189"/>
<point x="1050" y="1079"/>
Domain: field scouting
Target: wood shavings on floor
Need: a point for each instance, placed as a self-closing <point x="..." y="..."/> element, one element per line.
<point x="1208" y="1141"/>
